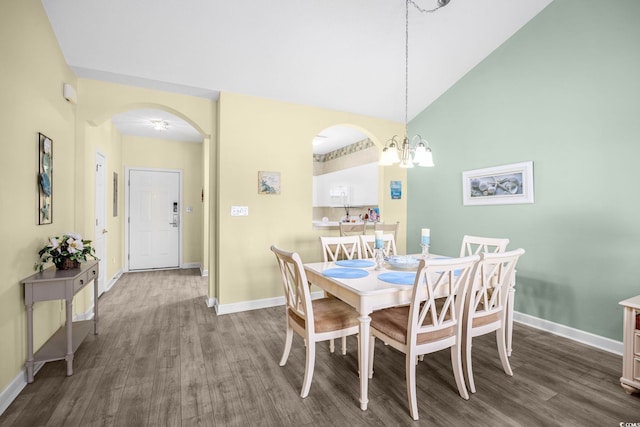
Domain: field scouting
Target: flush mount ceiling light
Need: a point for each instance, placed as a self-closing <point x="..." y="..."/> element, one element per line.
<point x="416" y="149"/>
<point x="160" y="125"/>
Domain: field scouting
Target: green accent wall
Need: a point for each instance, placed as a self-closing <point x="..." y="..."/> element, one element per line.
<point x="563" y="92"/>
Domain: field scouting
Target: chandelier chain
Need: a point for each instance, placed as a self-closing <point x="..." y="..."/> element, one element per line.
<point x="406" y="68"/>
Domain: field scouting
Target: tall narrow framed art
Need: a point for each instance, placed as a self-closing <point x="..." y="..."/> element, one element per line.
<point x="45" y="179"/>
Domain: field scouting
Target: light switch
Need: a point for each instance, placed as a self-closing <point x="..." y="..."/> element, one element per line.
<point x="239" y="210"/>
<point x="189" y="209"/>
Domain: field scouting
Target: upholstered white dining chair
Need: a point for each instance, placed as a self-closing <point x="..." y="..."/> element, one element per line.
<point x="367" y="244"/>
<point x="472" y="245"/>
<point x="432" y="322"/>
<point x="485" y="306"/>
<point x="314" y="320"/>
<point x="342" y="247"/>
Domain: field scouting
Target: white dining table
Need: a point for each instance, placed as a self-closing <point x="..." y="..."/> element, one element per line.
<point x="367" y="294"/>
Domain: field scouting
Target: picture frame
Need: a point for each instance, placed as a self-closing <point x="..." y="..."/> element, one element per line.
<point x="499" y="185"/>
<point x="45" y="180"/>
<point x="268" y="182"/>
<point x="115" y="194"/>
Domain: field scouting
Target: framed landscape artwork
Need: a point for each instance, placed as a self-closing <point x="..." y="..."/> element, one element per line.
<point x="499" y="185"/>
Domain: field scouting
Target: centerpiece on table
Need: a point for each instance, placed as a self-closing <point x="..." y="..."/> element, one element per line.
<point x="65" y="252"/>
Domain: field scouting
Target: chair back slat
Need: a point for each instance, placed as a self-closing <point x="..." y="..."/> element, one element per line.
<point x="296" y="286"/>
<point x="473" y="245"/>
<point x="388" y="228"/>
<point x="367" y="242"/>
<point x="343" y="247"/>
<point x="438" y="296"/>
<point x="489" y="291"/>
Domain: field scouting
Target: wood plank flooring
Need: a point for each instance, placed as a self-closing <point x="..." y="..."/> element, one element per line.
<point x="164" y="359"/>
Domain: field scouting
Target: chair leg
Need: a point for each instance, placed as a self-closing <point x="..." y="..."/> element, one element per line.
<point x="468" y="365"/>
<point x="456" y="362"/>
<point x="410" y="362"/>
<point x="502" y="351"/>
<point x="344" y="345"/>
<point x="287" y="346"/>
<point x="308" y="369"/>
<point x="332" y="346"/>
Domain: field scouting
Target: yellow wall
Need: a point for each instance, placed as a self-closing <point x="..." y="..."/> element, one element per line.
<point x="257" y="134"/>
<point x="33" y="71"/>
<point x="99" y="101"/>
<point x="107" y="140"/>
<point x="186" y="156"/>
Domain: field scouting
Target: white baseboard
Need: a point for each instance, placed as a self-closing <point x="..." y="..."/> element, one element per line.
<point x="583" y="337"/>
<point x="252" y="305"/>
<point x="14" y="388"/>
<point x="113" y="280"/>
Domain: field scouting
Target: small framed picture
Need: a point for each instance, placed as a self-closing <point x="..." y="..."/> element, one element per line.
<point x="500" y="185"/>
<point x="268" y="182"/>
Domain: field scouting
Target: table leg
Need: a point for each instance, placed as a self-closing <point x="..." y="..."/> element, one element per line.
<point x="30" y="359"/>
<point x="69" y="356"/>
<point x="365" y="320"/>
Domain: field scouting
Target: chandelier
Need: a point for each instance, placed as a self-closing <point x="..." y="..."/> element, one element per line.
<point x="415" y="150"/>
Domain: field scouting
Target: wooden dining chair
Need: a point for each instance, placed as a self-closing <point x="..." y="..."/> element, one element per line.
<point x="343" y="247"/>
<point x="314" y="320"/>
<point x="388" y="228"/>
<point x="472" y="245"/>
<point x="432" y="322"/>
<point x="367" y="244"/>
<point x="352" y="229"/>
<point x="485" y="306"/>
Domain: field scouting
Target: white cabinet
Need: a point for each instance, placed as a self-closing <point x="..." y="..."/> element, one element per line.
<point x="630" y="379"/>
<point x="357" y="186"/>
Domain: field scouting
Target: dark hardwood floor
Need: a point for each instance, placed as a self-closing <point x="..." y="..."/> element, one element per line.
<point x="164" y="358"/>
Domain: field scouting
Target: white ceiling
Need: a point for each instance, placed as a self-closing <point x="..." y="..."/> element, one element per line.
<point x="345" y="55"/>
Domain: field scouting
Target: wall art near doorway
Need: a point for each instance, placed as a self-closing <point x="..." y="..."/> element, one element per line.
<point x="115" y="194"/>
<point x="45" y="179"/>
<point x="499" y="185"/>
<point x="268" y="182"/>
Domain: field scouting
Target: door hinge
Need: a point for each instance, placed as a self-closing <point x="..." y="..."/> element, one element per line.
<point x="96" y="222"/>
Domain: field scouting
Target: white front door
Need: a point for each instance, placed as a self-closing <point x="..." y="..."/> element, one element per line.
<point x="100" y="240"/>
<point x="154" y="219"/>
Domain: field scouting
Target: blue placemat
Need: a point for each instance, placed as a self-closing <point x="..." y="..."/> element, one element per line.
<point x="356" y="263"/>
<point x="345" y="273"/>
<point x="398" y="278"/>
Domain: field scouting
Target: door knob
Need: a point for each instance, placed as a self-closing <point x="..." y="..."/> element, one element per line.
<point x="104" y="231"/>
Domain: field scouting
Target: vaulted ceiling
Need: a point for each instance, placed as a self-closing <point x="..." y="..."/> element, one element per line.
<point x="345" y="55"/>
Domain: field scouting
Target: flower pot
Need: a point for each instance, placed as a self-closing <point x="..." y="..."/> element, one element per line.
<point x="67" y="264"/>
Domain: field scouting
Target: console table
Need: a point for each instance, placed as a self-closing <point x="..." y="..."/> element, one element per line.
<point x="630" y="379"/>
<point x="52" y="284"/>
